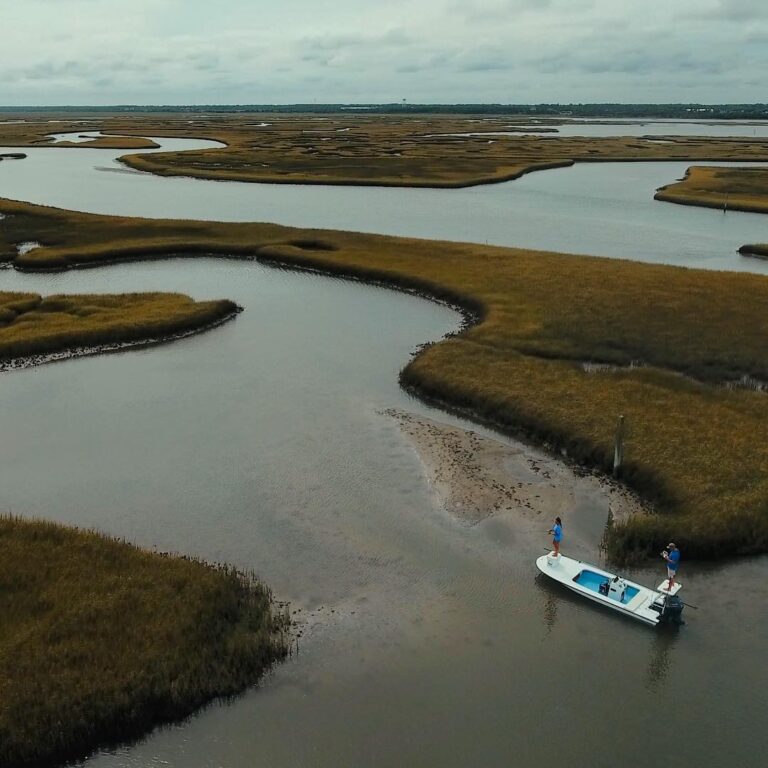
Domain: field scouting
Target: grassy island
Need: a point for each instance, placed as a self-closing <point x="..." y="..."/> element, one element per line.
<point x="421" y="151"/>
<point x="416" y="150"/>
<point x="679" y="352"/>
<point x="736" y="189"/>
<point x="34" y="328"/>
<point x="100" y="641"/>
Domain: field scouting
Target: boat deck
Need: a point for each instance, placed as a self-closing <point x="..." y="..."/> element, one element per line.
<point x="606" y="588"/>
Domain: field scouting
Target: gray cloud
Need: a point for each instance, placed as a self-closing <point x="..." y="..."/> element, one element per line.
<point x="174" y="51"/>
<point x="732" y="10"/>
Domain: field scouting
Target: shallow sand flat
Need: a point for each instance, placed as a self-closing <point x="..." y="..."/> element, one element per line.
<point x="475" y="477"/>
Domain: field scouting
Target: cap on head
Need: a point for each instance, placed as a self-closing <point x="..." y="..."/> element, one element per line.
<point x="671" y="544"/>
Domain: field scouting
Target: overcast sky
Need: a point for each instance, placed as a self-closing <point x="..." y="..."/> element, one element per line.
<point x="287" y="51"/>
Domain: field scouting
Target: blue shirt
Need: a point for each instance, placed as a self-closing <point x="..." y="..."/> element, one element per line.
<point x="557" y="531"/>
<point x="673" y="559"/>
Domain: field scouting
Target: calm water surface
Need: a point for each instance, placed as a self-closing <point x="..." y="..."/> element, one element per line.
<point x="603" y="209"/>
<point x="749" y="129"/>
<point x="428" y="642"/>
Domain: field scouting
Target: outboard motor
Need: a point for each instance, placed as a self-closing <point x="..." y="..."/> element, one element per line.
<point x="672" y="610"/>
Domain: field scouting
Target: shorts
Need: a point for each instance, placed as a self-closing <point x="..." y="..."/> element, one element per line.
<point x="671" y="572"/>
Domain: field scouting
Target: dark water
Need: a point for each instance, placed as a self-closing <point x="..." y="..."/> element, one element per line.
<point x="429" y="642"/>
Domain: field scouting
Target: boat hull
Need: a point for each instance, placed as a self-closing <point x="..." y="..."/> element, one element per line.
<point x="607" y="589"/>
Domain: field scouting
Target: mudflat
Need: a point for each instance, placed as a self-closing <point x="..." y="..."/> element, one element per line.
<point x="475" y="476"/>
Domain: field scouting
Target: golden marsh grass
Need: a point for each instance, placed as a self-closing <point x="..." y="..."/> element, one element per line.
<point x="35" y="132"/>
<point x="391" y="151"/>
<point x="737" y="189"/>
<point x="383" y="150"/>
<point x="100" y="641"/>
<point x="670" y="338"/>
<point x="35" y="325"/>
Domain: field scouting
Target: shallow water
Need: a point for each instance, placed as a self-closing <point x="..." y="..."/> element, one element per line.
<point x="429" y="642"/>
<point x="74" y="138"/>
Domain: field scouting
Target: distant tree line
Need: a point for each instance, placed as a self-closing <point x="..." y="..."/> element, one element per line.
<point x="607" y="111"/>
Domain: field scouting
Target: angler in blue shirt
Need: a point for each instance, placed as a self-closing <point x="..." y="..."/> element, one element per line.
<point x="557" y="534"/>
<point x="672" y="555"/>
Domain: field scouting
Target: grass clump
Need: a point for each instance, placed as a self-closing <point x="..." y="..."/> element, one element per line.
<point x="101" y="641"/>
<point x="668" y="339"/>
<point x="32" y="325"/>
<point x="737" y="189"/>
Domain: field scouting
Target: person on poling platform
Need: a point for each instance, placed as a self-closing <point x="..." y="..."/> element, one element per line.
<point x="672" y="555"/>
<point x="557" y="534"/>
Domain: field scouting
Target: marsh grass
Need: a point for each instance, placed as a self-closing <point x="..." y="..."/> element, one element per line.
<point x="36" y="132"/>
<point x="33" y="325"/>
<point x="391" y="150"/>
<point x="100" y="640"/>
<point x="737" y="189"/>
<point x="418" y="150"/>
<point x="697" y="449"/>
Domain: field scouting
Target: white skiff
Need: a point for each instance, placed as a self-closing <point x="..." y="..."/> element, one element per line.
<point x="651" y="606"/>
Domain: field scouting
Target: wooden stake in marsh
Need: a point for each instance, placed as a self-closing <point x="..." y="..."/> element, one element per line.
<point x="618" y="446"/>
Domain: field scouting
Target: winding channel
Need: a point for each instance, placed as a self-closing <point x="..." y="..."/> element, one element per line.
<point x="262" y="443"/>
<point x="602" y="209"/>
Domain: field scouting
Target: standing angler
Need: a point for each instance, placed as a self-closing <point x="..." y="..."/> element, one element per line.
<point x="557" y="534"/>
<point x="672" y="555"/>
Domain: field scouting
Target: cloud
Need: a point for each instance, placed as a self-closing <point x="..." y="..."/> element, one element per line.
<point x="731" y="10"/>
<point x="174" y="51"/>
<point x="395" y="38"/>
<point x="482" y="60"/>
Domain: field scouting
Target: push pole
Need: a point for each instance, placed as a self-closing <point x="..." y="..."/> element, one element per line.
<point x="618" y="446"/>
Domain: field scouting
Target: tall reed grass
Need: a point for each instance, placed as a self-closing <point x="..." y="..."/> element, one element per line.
<point x="100" y="640"/>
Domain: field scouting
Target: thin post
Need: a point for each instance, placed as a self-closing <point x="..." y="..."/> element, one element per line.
<point x="725" y="203"/>
<point x="618" y="446"/>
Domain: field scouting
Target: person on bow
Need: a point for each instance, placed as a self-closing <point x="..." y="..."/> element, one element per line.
<point x="672" y="555"/>
<point x="557" y="534"/>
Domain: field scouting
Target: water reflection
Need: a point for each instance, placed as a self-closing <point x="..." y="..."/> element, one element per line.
<point x="550" y="606"/>
<point x="664" y="640"/>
